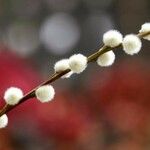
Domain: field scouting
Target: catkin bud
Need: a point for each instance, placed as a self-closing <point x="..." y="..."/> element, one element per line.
<point x="144" y="29"/>
<point x="3" y="121"/>
<point x="13" y="95"/>
<point x="131" y="44"/>
<point x="112" y="38"/>
<point x="107" y="59"/>
<point x="78" y="63"/>
<point x="45" y="93"/>
<point x="63" y="65"/>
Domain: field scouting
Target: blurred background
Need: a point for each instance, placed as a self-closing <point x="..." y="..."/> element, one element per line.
<point x="101" y="109"/>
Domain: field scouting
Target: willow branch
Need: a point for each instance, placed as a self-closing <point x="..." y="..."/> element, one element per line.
<point x="56" y="76"/>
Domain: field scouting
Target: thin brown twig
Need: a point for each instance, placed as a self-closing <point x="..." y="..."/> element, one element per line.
<point x="56" y="76"/>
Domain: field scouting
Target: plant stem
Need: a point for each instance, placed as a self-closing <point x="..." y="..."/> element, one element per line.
<point x="56" y="76"/>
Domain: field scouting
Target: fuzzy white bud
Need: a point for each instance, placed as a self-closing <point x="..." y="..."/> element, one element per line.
<point x="63" y="65"/>
<point x="112" y="38"/>
<point x="3" y="121"/>
<point x="78" y="63"/>
<point x="45" y="93"/>
<point x="107" y="59"/>
<point x="131" y="44"/>
<point x="13" y="95"/>
<point x="144" y="29"/>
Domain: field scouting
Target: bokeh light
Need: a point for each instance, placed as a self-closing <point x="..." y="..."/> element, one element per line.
<point x="22" y="38"/>
<point x="59" y="33"/>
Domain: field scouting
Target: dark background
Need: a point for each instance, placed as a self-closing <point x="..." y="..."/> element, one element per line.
<point x="102" y="108"/>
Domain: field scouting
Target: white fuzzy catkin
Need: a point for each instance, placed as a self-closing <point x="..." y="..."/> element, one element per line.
<point x="3" y="121"/>
<point x="63" y="65"/>
<point x="107" y="59"/>
<point x="78" y="63"/>
<point x="112" y="38"/>
<point x="144" y="29"/>
<point x="13" y="95"/>
<point x="131" y="44"/>
<point x="45" y="93"/>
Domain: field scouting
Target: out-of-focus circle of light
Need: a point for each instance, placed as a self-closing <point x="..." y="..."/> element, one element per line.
<point x="22" y="38"/>
<point x="59" y="33"/>
<point x="62" y="5"/>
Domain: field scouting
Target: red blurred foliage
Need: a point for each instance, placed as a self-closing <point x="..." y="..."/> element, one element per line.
<point x="16" y="71"/>
<point x="64" y="118"/>
<point x="122" y="94"/>
<point x="5" y="143"/>
<point x="118" y="96"/>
